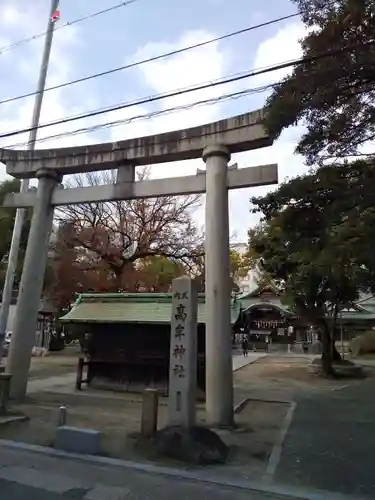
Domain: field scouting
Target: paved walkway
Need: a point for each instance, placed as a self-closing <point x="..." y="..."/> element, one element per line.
<point x="53" y="383"/>
<point x="36" y="475"/>
<point x="54" y="478"/>
<point x="330" y="443"/>
<point x="239" y="361"/>
<point x="67" y="381"/>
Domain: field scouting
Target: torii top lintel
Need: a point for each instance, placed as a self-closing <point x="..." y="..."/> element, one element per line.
<point x="239" y="133"/>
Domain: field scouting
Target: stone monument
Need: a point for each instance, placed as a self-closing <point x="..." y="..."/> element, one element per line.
<point x="183" y="353"/>
<point x="182" y="438"/>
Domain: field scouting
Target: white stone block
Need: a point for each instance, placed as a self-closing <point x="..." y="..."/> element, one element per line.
<point x="76" y="440"/>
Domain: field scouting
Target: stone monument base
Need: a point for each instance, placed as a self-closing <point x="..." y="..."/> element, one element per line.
<point x="197" y="445"/>
<point x="343" y="368"/>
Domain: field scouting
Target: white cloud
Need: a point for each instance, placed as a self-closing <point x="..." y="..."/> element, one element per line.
<point x="61" y="62"/>
<point x="4" y="42"/>
<point x="130" y="129"/>
<point x="205" y="64"/>
<point x="184" y="69"/>
<point x="181" y="71"/>
<point x="10" y="15"/>
<point x="187" y="69"/>
<point x="289" y="166"/>
<point x="281" y="48"/>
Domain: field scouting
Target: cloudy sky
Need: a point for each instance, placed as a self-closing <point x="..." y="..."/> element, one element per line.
<point x="143" y="29"/>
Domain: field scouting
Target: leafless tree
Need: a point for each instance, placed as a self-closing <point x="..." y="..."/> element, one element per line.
<point x="118" y="234"/>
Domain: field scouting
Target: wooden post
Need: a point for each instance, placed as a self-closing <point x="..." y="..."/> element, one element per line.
<point x="150" y="403"/>
<point x="183" y="353"/>
<point x="4" y="391"/>
<point x="81" y="361"/>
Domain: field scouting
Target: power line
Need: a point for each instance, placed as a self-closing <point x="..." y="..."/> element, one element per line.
<point x="153" y="114"/>
<point x="108" y="109"/>
<point x="345" y="155"/>
<point x="153" y="59"/>
<point x="66" y="25"/>
<point x="147" y="100"/>
<point x="151" y="144"/>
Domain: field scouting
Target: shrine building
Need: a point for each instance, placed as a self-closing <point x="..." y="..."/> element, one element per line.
<point x="265" y="314"/>
<point x="126" y="339"/>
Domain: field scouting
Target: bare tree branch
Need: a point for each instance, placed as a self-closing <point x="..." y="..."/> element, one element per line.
<point x="116" y="236"/>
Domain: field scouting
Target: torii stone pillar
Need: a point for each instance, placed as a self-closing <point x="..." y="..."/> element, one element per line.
<point x="219" y="371"/>
<point x="239" y="133"/>
<point x="23" y="334"/>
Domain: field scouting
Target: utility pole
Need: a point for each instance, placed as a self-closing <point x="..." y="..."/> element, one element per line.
<point x="20" y="214"/>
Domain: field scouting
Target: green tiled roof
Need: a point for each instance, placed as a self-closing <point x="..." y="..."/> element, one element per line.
<point x="364" y="314"/>
<point x="368" y="304"/>
<point x="247" y="302"/>
<point x="358" y="316"/>
<point x="151" y="308"/>
<point x="281" y="308"/>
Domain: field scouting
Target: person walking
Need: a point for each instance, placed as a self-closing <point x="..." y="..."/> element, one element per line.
<point x="245" y="346"/>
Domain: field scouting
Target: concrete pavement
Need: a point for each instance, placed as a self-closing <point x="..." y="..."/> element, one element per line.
<point x="53" y="383"/>
<point x="32" y="472"/>
<point x="34" y="476"/>
<point x="330" y="443"/>
<point x="29" y="472"/>
<point x="16" y="491"/>
<point x="239" y="361"/>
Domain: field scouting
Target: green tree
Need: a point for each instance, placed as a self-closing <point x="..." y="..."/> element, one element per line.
<point x="263" y="277"/>
<point x="302" y="243"/>
<point x="239" y="266"/>
<point x="333" y="96"/>
<point x="356" y="234"/>
<point x="157" y="273"/>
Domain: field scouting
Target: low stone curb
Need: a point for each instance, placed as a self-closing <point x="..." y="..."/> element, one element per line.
<point x="275" y="456"/>
<point x="260" y="487"/>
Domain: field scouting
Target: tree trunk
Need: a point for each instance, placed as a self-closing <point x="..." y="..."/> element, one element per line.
<point x="118" y="280"/>
<point x="326" y="350"/>
<point x="336" y="356"/>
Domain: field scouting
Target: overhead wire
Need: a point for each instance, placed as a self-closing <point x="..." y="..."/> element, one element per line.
<point x="152" y="114"/>
<point x="31" y="38"/>
<point x="151" y="59"/>
<point x="147" y="100"/>
<point x="67" y="24"/>
<point x="109" y="108"/>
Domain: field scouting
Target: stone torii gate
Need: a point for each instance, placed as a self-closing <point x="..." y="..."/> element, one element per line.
<point x="214" y="142"/>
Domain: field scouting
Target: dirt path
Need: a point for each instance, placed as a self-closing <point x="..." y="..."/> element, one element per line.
<point x="281" y="378"/>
